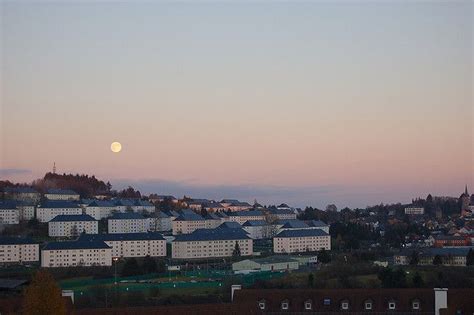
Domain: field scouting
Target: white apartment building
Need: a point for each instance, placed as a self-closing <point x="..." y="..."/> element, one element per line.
<point x="297" y="241"/>
<point x="131" y="244"/>
<point x="123" y="205"/>
<point x="62" y="194"/>
<point x="303" y="225"/>
<point x="243" y="216"/>
<point x="414" y="210"/>
<point x="282" y="214"/>
<point x="22" y="194"/>
<point x="9" y="214"/>
<point x="187" y="222"/>
<point x="100" y="209"/>
<point x="128" y="222"/>
<point x="15" y="250"/>
<point x="27" y="210"/>
<point x="52" y="208"/>
<point x="143" y="205"/>
<point x="72" y="225"/>
<point x="76" y="253"/>
<point x="260" y="229"/>
<point x="211" y="243"/>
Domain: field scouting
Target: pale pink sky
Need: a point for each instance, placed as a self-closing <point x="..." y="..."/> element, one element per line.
<point x="316" y="103"/>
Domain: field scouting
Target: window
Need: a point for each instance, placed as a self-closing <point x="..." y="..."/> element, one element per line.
<point x="284" y="305"/>
<point x="327" y="302"/>
<point x="415" y="305"/>
<point x="261" y="304"/>
<point x="368" y="305"/>
<point x="308" y="305"/>
<point x="345" y="305"/>
<point x="391" y="305"/>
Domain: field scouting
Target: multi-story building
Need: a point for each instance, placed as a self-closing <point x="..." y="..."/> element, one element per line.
<point x="426" y="256"/>
<point x="243" y="216"/>
<point x="50" y="209"/>
<point x="161" y="198"/>
<point x="414" y="210"/>
<point x="235" y="205"/>
<point x="128" y="222"/>
<point x="76" y="253"/>
<point x="100" y="209"/>
<point x="27" y="210"/>
<point x="22" y="194"/>
<point x="62" y="194"/>
<point x="72" y="225"/>
<point x="143" y="206"/>
<point x="187" y="222"/>
<point x="282" y="214"/>
<point x="260" y="229"/>
<point x="132" y="244"/>
<point x="301" y="225"/>
<point x="303" y="240"/>
<point x="211" y="243"/>
<point x="9" y="214"/>
<point x="449" y="241"/>
<point x="18" y="250"/>
<point x="123" y="205"/>
<point x="212" y="220"/>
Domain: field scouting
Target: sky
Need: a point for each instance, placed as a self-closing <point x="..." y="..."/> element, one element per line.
<point x="353" y="103"/>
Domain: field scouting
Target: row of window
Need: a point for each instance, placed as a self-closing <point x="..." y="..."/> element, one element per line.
<point x="344" y="304"/>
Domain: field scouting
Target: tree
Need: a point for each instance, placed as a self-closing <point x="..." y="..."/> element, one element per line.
<point x="331" y="208"/>
<point x="130" y="268"/>
<point x="414" y="259"/>
<point x="323" y="256"/>
<point x="236" y="252"/>
<point x="43" y="296"/>
<point x="418" y="280"/>
<point x="470" y="258"/>
<point x="310" y="280"/>
<point x="437" y="260"/>
<point x="149" y="265"/>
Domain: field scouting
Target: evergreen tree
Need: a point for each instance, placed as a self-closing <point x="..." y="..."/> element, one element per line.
<point x="310" y="280"/>
<point x="236" y="252"/>
<point x="414" y="259"/>
<point x="323" y="256"/>
<point x="437" y="260"/>
<point x="418" y="280"/>
<point x="470" y="258"/>
<point x="43" y="296"/>
<point x="149" y="265"/>
<point x="130" y="268"/>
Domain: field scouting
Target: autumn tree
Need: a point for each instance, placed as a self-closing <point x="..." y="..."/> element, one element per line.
<point x="43" y="296"/>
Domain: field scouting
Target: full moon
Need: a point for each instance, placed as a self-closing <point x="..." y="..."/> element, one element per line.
<point x="116" y="147"/>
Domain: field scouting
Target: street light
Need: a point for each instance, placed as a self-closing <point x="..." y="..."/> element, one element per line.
<point x="115" y="265"/>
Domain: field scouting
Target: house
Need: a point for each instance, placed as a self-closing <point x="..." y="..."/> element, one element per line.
<point x="454" y="256"/>
<point x="211" y="243"/>
<point x="62" y="194"/>
<point x="100" y="209"/>
<point x="243" y="216"/>
<point x="128" y="222"/>
<point x="301" y="240"/>
<point x="76" y="253"/>
<point x="9" y="213"/>
<point x="52" y="208"/>
<point x="72" y="225"/>
<point x="187" y="222"/>
<point x="272" y="263"/>
<point x="15" y="250"/>
<point x="22" y="194"/>
<point x="127" y="245"/>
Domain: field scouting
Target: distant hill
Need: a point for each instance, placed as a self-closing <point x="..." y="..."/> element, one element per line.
<point x="87" y="186"/>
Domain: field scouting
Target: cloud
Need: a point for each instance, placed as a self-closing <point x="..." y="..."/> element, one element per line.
<point x="13" y="171"/>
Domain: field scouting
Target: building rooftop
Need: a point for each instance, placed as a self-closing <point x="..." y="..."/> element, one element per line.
<point x="8" y="204"/>
<point x="293" y="224"/>
<point x="230" y="225"/>
<point x="123" y="202"/>
<point x="72" y="218"/>
<point x="101" y="203"/>
<point x="76" y="245"/>
<point x="255" y="223"/>
<point x="212" y="234"/>
<point x="20" y="190"/>
<point x="59" y="204"/>
<point x="274" y="259"/>
<point x="122" y="237"/>
<point x="189" y="216"/>
<point x="127" y="216"/>
<point x="302" y="233"/>
<point x="53" y="191"/>
<point x="10" y="240"/>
